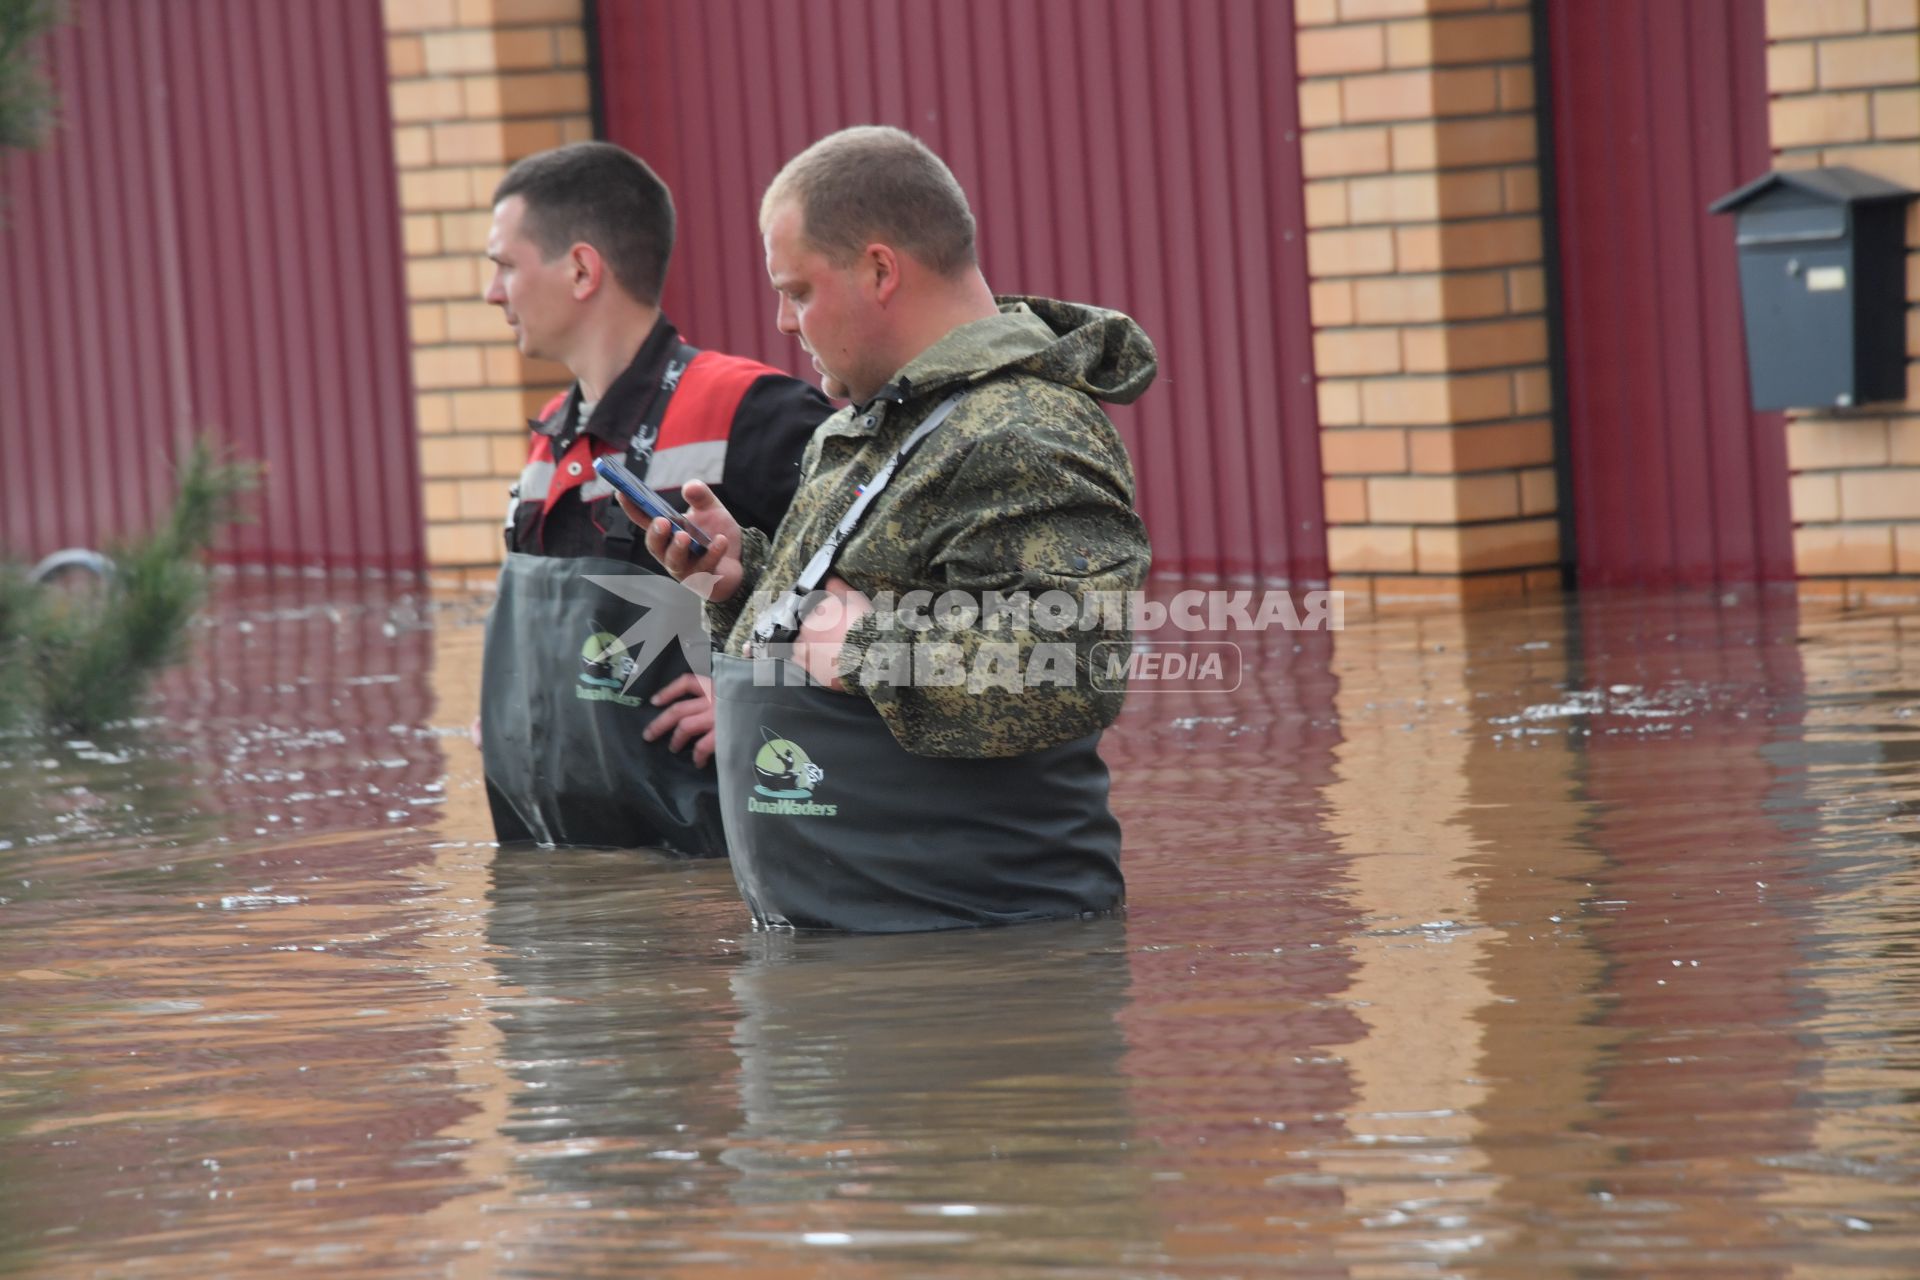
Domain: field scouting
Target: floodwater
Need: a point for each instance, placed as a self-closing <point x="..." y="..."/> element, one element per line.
<point x="1573" y="940"/>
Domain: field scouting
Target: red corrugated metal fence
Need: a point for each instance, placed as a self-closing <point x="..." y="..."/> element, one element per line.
<point x="1137" y="154"/>
<point x="1658" y="108"/>
<point x="210" y="240"/>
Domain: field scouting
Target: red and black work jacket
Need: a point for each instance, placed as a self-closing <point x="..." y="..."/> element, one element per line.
<point x="737" y="424"/>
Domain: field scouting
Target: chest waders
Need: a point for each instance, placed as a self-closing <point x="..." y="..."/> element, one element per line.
<point x="561" y="716"/>
<point x="832" y="824"/>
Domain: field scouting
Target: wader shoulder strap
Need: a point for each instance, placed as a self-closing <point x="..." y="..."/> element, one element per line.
<point x="645" y="436"/>
<point x="780" y="621"/>
<point x="621" y="534"/>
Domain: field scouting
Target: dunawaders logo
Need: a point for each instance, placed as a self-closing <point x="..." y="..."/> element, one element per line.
<point x="787" y="780"/>
<point x="608" y="670"/>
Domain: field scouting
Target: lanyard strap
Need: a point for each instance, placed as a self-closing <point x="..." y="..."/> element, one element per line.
<point x="780" y="621"/>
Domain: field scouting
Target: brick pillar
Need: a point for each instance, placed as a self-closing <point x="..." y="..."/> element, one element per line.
<point x="1844" y="78"/>
<point x="476" y="85"/>
<point x="1428" y="299"/>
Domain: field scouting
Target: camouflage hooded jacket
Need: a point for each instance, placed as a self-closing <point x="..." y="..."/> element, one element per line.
<point x="1024" y="490"/>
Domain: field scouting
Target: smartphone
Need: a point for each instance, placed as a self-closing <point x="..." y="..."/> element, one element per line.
<point x="647" y="500"/>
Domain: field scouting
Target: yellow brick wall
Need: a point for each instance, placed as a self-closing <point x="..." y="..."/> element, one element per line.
<point x="1844" y="82"/>
<point x="475" y="85"/>
<point x="1428" y="301"/>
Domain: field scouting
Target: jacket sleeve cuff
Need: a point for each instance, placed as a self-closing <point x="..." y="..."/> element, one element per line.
<point x="860" y="637"/>
<point x="723" y="615"/>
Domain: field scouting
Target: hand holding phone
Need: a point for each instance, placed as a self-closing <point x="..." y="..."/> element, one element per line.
<point x="715" y="575"/>
<point x="652" y="504"/>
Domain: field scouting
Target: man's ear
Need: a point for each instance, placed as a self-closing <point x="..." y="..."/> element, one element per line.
<point x="880" y="267"/>
<point x="587" y="270"/>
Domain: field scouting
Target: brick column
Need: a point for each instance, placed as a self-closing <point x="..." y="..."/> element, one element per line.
<point x="1844" y="77"/>
<point x="476" y="85"/>
<point x="1428" y="299"/>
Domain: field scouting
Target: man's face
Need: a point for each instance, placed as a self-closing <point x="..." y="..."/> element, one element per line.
<point x="824" y="306"/>
<point x="535" y="296"/>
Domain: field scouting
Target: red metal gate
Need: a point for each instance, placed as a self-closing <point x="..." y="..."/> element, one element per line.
<point x="210" y="241"/>
<point x="1659" y="108"/>
<point x="1137" y="154"/>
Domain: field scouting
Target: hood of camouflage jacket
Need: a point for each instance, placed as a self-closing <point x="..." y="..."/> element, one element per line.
<point x="1092" y="350"/>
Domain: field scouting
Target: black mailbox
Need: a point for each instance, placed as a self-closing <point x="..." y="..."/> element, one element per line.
<point x="1823" y="283"/>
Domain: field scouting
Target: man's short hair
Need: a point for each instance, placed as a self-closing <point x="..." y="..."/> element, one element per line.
<point x="605" y="196"/>
<point x="877" y="183"/>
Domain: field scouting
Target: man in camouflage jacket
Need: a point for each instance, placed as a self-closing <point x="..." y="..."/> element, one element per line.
<point x="1024" y="490"/>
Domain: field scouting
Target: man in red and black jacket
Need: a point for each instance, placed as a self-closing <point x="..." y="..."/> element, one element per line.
<point x="734" y="423"/>
<point x="590" y="733"/>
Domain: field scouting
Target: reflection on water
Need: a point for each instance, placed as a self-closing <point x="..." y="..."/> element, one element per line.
<point x="1559" y="941"/>
<point x="685" y="1092"/>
